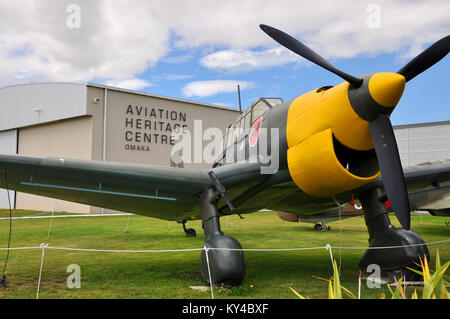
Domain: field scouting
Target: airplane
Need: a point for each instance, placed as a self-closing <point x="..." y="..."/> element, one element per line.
<point x="333" y="144"/>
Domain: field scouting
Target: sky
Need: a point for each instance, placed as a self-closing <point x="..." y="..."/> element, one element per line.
<point x="201" y="50"/>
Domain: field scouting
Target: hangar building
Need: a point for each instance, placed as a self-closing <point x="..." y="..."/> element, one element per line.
<point x="420" y="143"/>
<point x="95" y="122"/>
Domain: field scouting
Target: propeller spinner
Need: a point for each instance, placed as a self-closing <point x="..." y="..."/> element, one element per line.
<point x="374" y="97"/>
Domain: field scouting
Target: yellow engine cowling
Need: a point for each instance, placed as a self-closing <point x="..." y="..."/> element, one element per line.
<point x="318" y="123"/>
<point x="317" y="171"/>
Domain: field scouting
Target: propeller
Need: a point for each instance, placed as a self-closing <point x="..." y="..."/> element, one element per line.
<point x="391" y="167"/>
<point x="375" y="103"/>
<point x="296" y="46"/>
<point x="426" y="59"/>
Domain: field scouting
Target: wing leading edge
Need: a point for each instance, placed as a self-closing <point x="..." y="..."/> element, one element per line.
<point x="429" y="187"/>
<point x="160" y="192"/>
<point x="156" y="191"/>
<point x="172" y="193"/>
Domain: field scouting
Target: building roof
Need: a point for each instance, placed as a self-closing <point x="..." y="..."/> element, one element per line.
<point x="34" y="103"/>
<point x="160" y="96"/>
<point x="104" y="86"/>
<point x="422" y="124"/>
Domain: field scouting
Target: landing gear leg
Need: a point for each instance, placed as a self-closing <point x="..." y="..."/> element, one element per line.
<point x="189" y="232"/>
<point x="393" y="261"/>
<point x="227" y="266"/>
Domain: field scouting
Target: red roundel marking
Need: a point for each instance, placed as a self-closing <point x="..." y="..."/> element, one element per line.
<point x="254" y="134"/>
<point x="352" y="201"/>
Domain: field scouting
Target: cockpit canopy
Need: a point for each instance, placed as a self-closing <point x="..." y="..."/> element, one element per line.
<point x="250" y="115"/>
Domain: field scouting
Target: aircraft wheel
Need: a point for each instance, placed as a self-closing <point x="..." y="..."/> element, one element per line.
<point x="406" y="274"/>
<point x="225" y="266"/>
<point x="318" y="227"/>
<point x="190" y="232"/>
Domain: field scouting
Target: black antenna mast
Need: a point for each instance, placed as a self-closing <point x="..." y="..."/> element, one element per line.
<point x="239" y="96"/>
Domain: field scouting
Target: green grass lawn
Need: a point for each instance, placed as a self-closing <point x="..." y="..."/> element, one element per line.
<point x="169" y="275"/>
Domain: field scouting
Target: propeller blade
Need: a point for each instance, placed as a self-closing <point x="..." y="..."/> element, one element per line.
<point x="296" y="46"/>
<point x="426" y="59"/>
<point x="391" y="168"/>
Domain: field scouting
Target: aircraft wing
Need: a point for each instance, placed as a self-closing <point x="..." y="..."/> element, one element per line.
<point x="428" y="188"/>
<point x="172" y="193"/>
<point x="156" y="191"/>
<point x="328" y="216"/>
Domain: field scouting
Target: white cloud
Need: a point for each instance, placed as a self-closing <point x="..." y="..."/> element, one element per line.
<point x="175" y="77"/>
<point x="120" y="39"/>
<point x="242" y="60"/>
<point x="113" y="42"/>
<point x="130" y="84"/>
<point x="209" y="88"/>
<point x="170" y="77"/>
<point x="178" y="58"/>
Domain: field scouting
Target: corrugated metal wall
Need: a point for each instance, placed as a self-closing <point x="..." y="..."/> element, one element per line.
<point x="36" y="103"/>
<point x="8" y="145"/>
<point x="422" y="143"/>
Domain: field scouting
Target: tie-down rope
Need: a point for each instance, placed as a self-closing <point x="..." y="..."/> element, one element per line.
<point x="328" y="247"/>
